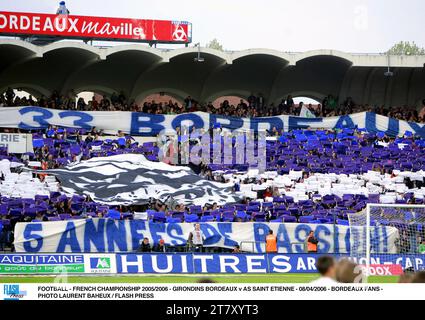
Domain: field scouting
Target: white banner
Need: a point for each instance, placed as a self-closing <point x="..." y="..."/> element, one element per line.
<point x="108" y="235"/>
<point x="16" y="142"/>
<point x="144" y="124"/>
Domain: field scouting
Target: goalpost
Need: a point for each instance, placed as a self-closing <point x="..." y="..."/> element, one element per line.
<point x="387" y="238"/>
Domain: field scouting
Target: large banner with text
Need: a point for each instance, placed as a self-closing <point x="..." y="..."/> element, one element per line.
<point x="108" y="235"/>
<point x="57" y="263"/>
<point x="94" y="28"/>
<point x="253" y="263"/>
<point x="189" y="263"/>
<point x="144" y="124"/>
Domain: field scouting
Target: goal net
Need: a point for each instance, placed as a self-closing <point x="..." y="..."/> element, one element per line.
<point x="388" y="239"/>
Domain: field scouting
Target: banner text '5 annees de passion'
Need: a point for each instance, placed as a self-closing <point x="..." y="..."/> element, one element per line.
<point x="102" y="28"/>
<point x="108" y="235"/>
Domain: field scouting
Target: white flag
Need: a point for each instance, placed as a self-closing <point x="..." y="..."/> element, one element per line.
<point x="306" y="113"/>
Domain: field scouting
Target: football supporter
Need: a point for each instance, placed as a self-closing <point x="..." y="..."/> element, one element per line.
<point x="236" y="249"/>
<point x="62" y="8"/>
<point x="406" y="278"/>
<point x="160" y="246"/>
<point x="145" y="246"/>
<point x="348" y="272"/>
<point x="196" y="239"/>
<point x="326" y="267"/>
<point x="329" y="107"/>
<point x="421" y="247"/>
<point x="3" y="237"/>
<point x="419" y="277"/>
<point x="422" y="111"/>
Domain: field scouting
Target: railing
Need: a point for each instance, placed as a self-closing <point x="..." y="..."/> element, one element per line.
<point x="262" y="244"/>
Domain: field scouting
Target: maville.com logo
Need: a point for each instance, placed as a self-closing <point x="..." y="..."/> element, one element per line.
<point x="100" y="264"/>
<point x="13" y="292"/>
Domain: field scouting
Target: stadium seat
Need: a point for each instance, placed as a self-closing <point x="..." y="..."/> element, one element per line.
<point x="159" y="217"/>
<point x="289" y="219"/>
<point x="191" y="218"/>
<point x="207" y="218"/>
<point x="113" y="214"/>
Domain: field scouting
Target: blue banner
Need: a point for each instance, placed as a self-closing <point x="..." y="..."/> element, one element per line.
<point x="245" y="263"/>
<point x="109" y="235"/>
<point x="144" y="124"/>
<point x="186" y="263"/>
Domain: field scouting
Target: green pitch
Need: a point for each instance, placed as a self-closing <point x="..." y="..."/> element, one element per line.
<point x="252" y="278"/>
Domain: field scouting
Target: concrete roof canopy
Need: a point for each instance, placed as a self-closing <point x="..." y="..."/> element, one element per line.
<point x="139" y="70"/>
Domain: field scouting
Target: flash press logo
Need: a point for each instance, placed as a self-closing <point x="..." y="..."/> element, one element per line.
<point x="13" y="292"/>
<point x="100" y="264"/>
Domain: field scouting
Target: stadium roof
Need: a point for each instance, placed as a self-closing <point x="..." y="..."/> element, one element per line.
<point x="139" y="70"/>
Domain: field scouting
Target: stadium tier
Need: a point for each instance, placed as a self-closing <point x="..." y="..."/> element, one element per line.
<point x="312" y="177"/>
<point x="252" y="106"/>
<point x="166" y="166"/>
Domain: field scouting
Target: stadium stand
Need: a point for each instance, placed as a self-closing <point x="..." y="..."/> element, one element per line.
<point x="360" y="168"/>
<point x="256" y="106"/>
<point x="312" y="176"/>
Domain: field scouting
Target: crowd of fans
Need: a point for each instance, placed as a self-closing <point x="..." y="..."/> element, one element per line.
<point x="59" y="147"/>
<point x="253" y="106"/>
<point x="330" y="151"/>
<point x="63" y="146"/>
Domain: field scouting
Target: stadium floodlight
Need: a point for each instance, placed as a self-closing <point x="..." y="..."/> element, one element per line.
<point x="199" y="58"/>
<point x="387" y="235"/>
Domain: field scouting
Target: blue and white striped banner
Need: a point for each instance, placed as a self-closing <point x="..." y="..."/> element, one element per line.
<point x="137" y="123"/>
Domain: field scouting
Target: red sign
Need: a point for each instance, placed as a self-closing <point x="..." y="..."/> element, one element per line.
<point x="384" y="269"/>
<point x="96" y="28"/>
